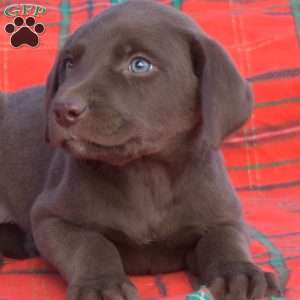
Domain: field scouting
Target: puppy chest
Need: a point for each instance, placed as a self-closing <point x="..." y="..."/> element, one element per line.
<point x="148" y="198"/>
<point x="138" y="208"/>
<point x="141" y="209"/>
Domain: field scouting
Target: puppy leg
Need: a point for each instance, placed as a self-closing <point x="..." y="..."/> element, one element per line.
<point x="223" y="262"/>
<point x="88" y="261"/>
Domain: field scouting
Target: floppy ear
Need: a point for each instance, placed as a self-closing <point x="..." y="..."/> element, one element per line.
<point x="226" y="98"/>
<point x="51" y="89"/>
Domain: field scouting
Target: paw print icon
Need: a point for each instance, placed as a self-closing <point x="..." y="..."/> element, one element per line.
<point x="24" y="31"/>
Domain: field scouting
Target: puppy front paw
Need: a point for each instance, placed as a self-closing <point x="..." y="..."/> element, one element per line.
<point x="240" y="281"/>
<point x="104" y="288"/>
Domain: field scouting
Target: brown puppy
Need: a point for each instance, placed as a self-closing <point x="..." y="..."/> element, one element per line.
<point x="138" y="103"/>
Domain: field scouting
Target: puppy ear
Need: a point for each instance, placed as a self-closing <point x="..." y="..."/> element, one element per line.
<point x="226" y="99"/>
<point x="51" y="89"/>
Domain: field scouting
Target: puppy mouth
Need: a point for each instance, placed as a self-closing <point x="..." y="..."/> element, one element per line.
<point x="116" y="154"/>
<point x="116" y="147"/>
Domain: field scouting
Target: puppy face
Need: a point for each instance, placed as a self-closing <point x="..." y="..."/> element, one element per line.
<point x="128" y="84"/>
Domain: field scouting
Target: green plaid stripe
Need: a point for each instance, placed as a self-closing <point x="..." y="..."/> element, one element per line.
<point x="65" y="11"/>
<point x="202" y="294"/>
<point x="295" y="6"/>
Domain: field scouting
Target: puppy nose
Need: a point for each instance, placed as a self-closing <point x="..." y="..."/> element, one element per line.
<point x="67" y="114"/>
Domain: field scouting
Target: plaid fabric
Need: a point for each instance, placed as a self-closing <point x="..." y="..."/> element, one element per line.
<point x="202" y="294"/>
<point x="263" y="158"/>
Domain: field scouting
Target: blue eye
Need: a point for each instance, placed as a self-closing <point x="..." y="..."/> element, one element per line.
<point x="140" y="65"/>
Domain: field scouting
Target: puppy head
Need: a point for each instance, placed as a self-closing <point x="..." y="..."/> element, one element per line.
<point x="137" y="79"/>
